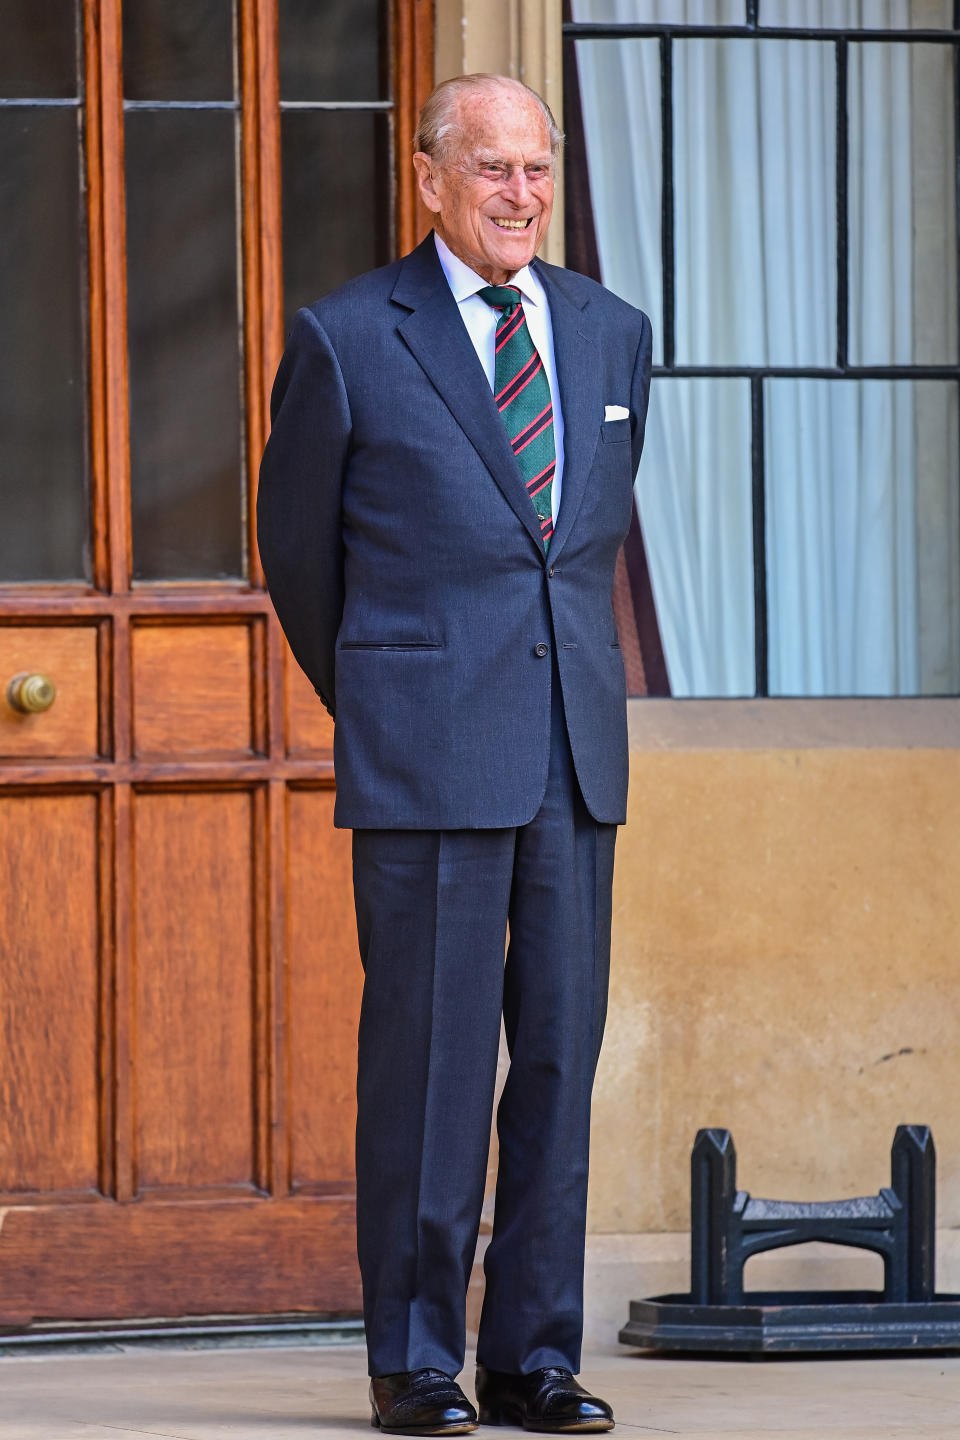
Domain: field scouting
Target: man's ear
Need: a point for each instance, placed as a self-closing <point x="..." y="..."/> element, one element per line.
<point x="423" y="165"/>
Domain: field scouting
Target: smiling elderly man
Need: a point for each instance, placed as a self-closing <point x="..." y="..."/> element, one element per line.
<point x="446" y="487"/>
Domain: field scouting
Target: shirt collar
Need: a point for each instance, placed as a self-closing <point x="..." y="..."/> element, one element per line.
<point x="465" y="282"/>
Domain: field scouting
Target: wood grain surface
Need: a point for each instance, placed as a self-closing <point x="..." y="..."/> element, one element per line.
<point x="49" y="994"/>
<point x="192" y="689"/>
<point x="413" y="79"/>
<point x="309" y="727"/>
<point x="67" y="655"/>
<point x="234" y="1257"/>
<point x="325" y="984"/>
<point x="193" y="989"/>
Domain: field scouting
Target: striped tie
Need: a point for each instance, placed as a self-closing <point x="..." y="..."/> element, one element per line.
<point x="522" y="394"/>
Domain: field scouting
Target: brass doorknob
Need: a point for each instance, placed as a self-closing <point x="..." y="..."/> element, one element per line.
<point x="30" y="694"/>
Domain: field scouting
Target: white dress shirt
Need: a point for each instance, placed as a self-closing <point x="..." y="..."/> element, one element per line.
<point x="481" y="322"/>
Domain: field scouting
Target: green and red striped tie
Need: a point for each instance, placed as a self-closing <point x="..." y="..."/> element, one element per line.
<point x="521" y="391"/>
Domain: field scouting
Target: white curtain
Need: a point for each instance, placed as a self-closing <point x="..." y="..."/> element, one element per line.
<point x="862" y="549"/>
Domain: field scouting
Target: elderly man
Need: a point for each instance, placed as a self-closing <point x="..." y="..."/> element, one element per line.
<point x="447" y="484"/>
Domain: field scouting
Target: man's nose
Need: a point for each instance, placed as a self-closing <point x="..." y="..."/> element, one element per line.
<point x="516" y="187"/>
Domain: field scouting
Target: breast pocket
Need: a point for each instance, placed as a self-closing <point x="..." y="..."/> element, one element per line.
<point x="615" y="432"/>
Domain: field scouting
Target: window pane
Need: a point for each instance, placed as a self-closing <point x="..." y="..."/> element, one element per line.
<point x="333" y="51"/>
<point x="185" y="374"/>
<point x="43" y="490"/>
<point x="336" y="216"/>
<point x="754" y="168"/>
<point x="662" y="12"/>
<point x="620" y="101"/>
<point x="753" y="172"/>
<point x="863" y="537"/>
<point x="860" y="14"/>
<point x="178" y="49"/>
<point x="902" y="205"/>
<point x="38" y="55"/>
<point x="694" y="498"/>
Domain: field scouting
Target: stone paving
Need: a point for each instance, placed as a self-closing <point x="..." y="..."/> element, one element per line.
<point x="274" y="1393"/>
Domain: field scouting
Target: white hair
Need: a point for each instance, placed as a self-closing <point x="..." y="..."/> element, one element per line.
<point x="439" y="118"/>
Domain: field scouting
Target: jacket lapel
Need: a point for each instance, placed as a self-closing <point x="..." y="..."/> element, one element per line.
<point x="579" y="382"/>
<point x="437" y="337"/>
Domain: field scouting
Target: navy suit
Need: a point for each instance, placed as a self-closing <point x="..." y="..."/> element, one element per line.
<point x="481" y="759"/>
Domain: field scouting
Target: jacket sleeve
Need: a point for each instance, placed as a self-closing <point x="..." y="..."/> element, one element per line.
<point x="640" y="390"/>
<point x="299" y="529"/>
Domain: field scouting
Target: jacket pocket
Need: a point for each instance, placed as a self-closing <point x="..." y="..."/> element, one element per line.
<point x="614" y="431"/>
<point x="390" y="645"/>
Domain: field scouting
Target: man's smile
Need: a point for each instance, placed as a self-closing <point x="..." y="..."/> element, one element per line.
<point x="504" y="224"/>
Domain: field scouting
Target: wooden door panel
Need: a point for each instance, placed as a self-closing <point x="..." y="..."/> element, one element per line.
<point x="325" y="980"/>
<point x="49" y="993"/>
<point x="192" y="689"/>
<point x="194" y="989"/>
<point x="235" y="1257"/>
<point x="67" y="655"/>
<point x="309" y="727"/>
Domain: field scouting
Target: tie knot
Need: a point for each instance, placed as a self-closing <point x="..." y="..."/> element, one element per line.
<point x="501" y="297"/>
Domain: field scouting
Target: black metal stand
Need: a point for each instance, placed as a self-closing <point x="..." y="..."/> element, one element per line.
<point x="728" y="1226"/>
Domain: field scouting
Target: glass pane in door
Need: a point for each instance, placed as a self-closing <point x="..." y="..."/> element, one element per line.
<point x="184" y="317"/>
<point x="335" y="140"/>
<point x="336" y="217"/>
<point x="334" y="51"/>
<point x="44" y="533"/>
<point x="38" y="49"/>
<point x="178" y="50"/>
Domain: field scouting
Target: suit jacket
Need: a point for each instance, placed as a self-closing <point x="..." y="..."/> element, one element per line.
<point x="404" y="559"/>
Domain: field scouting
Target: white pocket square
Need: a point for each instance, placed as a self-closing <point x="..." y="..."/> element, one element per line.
<point x="616" y="412"/>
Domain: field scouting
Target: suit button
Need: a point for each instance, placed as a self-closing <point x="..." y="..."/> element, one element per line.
<point x="541" y="650"/>
<point x="552" y="571"/>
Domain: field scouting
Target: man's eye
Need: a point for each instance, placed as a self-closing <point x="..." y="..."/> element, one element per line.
<point x="495" y="171"/>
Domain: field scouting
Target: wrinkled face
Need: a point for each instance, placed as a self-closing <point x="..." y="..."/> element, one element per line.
<point x="492" y="189"/>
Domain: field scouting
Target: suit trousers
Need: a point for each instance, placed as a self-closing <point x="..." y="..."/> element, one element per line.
<point x="433" y="911"/>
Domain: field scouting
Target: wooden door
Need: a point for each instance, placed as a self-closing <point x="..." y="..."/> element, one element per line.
<point x="179" y="982"/>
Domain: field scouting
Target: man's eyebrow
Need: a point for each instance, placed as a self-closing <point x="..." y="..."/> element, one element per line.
<point x="501" y="160"/>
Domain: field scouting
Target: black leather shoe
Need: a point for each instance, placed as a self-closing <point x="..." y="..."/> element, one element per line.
<point x="548" y="1400"/>
<point x="420" y="1402"/>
